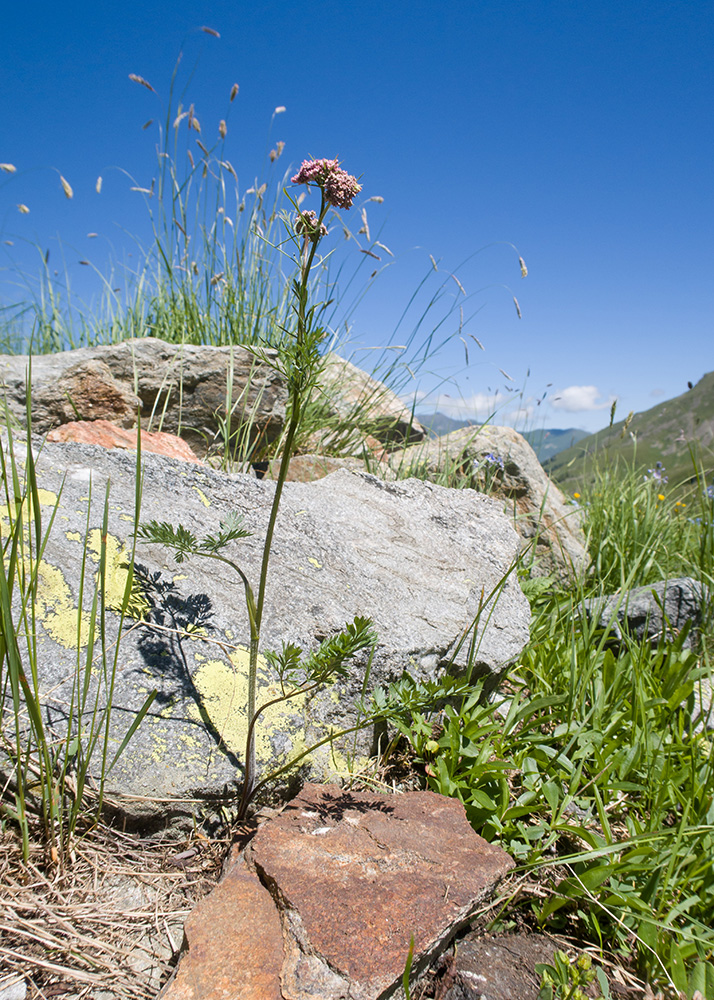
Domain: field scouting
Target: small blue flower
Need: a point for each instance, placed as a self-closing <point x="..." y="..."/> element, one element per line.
<point x="657" y="474"/>
<point x="494" y="460"/>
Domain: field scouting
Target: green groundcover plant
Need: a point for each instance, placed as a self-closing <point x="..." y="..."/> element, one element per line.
<point x="593" y="765"/>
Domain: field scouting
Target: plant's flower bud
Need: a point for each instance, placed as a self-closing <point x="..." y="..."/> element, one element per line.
<point x="307" y="224"/>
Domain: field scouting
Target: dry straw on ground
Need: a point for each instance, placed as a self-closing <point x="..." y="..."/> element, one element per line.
<point x="110" y="923"/>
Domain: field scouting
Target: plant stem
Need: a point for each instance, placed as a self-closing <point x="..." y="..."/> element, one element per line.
<point x="299" y="378"/>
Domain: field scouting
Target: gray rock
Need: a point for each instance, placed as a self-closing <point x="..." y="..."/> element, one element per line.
<point x="365" y="406"/>
<point x="416" y="557"/>
<point x="181" y="389"/>
<point x="657" y="611"/>
<point x="539" y="511"/>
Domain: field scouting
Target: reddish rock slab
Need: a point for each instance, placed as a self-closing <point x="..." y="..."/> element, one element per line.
<point x="108" y="435"/>
<point x="356" y="874"/>
<point x="234" y="944"/>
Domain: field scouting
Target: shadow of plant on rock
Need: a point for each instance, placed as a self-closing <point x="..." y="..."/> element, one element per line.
<point x="169" y="620"/>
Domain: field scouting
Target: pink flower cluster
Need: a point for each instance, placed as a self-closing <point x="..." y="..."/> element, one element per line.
<point x="339" y="187"/>
<point x="308" y="224"/>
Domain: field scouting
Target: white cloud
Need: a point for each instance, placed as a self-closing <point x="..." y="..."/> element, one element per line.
<point x="499" y="407"/>
<point x="578" y="398"/>
<point x="479" y="406"/>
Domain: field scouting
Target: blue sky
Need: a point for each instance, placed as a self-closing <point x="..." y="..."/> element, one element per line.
<point x="581" y="133"/>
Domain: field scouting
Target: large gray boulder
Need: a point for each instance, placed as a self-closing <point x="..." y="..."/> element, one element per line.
<point x="418" y="558"/>
<point x="358" y="409"/>
<point x="182" y="389"/>
<point x="500" y="461"/>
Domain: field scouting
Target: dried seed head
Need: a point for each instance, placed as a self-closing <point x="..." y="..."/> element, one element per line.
<point x="193" y="122"/>
<point x="98" y="185"/>
<point x="222" y="128"/>
<point x="92" y="236"/>
<point x="518" y="308"/>
<point x="524" y="269"/>
<point x="433" y="263"/>
<point x="231" y="169"/>
<point x="234" y="91"/>
<point x="179" y="117"/>
<point x="461" y="287"/>
<point x="23" y="209"/>
<point x="190" y="158"/>
<point x="8" y="168"/>
<point x="210" y="31"/>
<point x="365" y="223"/>
<point x="376" y="197"/>
<point x="146" y="124"/>
<point x="201" y="147"/>
<point x="140" y="79"/>
<point x="276" y="153"/>
<point x="279" y="110"/>
<point x="84" y="262"/>
<point x="69" y="193"/>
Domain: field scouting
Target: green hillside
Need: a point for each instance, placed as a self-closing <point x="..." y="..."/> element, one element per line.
<point x="663" y="434"/>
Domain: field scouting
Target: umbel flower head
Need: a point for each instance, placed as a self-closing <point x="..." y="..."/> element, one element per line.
<point x="338" y="187"/>
<point x="308" y="224"/>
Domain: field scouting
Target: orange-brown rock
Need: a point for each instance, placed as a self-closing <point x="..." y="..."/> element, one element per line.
<point x="109" y="435"/>
<point x="234" y="944"/>
<point x="352" y="877"/>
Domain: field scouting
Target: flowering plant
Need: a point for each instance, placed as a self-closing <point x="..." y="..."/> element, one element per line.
<point x="300" y="364"/>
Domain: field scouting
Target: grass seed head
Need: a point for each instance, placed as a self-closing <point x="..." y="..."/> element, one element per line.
<point x="66" y="187"/>
<point x="135" y="78"/>
<point x="8" y="168"/>
<point x="234" y="91"/>
<point x="23" y="209"/>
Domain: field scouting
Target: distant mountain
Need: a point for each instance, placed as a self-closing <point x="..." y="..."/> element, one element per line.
<point x="545" y="442"/>
<point x="436" y="424"/>
<point x="661" y="434"/>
